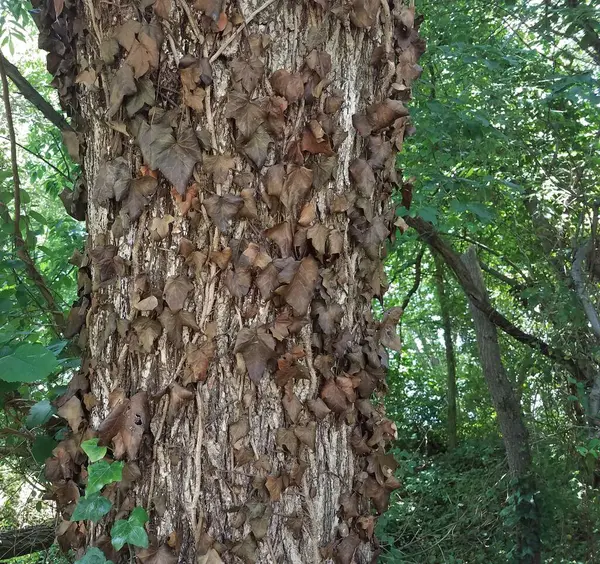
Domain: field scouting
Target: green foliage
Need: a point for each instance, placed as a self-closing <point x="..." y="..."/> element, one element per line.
<point x="93" y="451"/>
<point x="102" y="473"/>
<point x="27" y="363"/>
<point x="130" y="531"/>
<point x="93" y="507"/>
<point x="39" y="414"/>
<point x="93" y="555"/>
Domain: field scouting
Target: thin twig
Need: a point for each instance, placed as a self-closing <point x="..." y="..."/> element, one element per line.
<point x="20" y="247"/>
<point x="58" y="171"/>
<point x="239" y="30"/>
<point x="192" y="21"/>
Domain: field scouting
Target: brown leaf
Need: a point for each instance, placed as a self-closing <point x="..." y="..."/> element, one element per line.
<point x="212" y="8"/>
<point x="239" y="429"/>
<point x="307" y="435"/>
<point x="274" y="485"/>
<point x="328" y="315"/>
<point x="319" y="408"/>
<point x="266" y="281"/>
<point x="246" y="73"/>
<point x="289" y="85"/>
<point x="147" y="331"/>
<point x="300" y="291"/>
<point x="287" y="440"/>
<point x="162" y="8"/>
<point x="257" y="346"/>
<point x="134" y="423"/>
<point x="179" y="396"/>
<point x="296" y="186"/>
<point x="219" y="166"/>
<point x="176" y="291"/>
<point x="248" y="115"/>
<point x="362" y="175"/>
<point x="334" y="397"/>
<point x="198" y="359"/>
<point x="112" y="181"/>
<point x="123" y="84"/>
<point x="173" y="323"/>
<point x="72" y="412"/>
<point x="256" y="148"/>
<point x="112" y="424"/>
<point x="274" y="179"/>
<point x="160" y="226"/>
<point x="317" y="235"/>
<point x="238" y="281"/>
<point x="344" y="551"/>
<point x="319" y="61"/>
<point x="291" y="404"/>
<point x="138" y="197"/>
<point x="222" y="209"/>
<point x="221" y="258"/>
<point x="314" y="146"/>
<point x="147" y="304"/>
<point x="282" y="235"/>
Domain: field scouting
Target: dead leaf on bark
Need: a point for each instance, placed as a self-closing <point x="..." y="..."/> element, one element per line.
<point x="291" y="404"/>
<point x="328" y="316"/>
<point x="314" y="146"/>
<point x="218" y="166"/>
<point x="257" y="347"/>
<point x="222" y="209"/>
<point x="307" y="434"/>
<point x="334" y="397"/>
<point x="109" y="263"/>
<point x="160" y="226"/>
<point x="300" y="291"/>
<point x="134" y="423"/>
<point x="319" y="408"/>
<point x="362" y="175"/>
<point x="238" y="281"/>
<point x="176" y="291"/>
<point x="246" y="73"/>
<point x="174" y="156"/>
<point x="317" y="234"/>
<point x="147" y="331"/>
<point x="198" y="359"/>
<point x="256" y="147"/>
<point x="212" y="8"/>
<point x="123" y="84"/>
<point x="239" y="429"/>
<point x="344" y="551"/>
<point x="140" y="192"/>
<point x="248" y="115"/>
<point x="173" y="323"/>
<point x="247" y="550"/>
<point x="287" y="440"/>
<point x="296" y="186"/>
<point x="282" y="236"/>
<point x="112" y="181"/>
<point x="72" y="412"/>
<point x="289" y="85"/>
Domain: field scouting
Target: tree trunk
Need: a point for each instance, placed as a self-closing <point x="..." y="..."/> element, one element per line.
<point x="20" y="542"/>
<point x="510" y="420"/>
<point x="449" y="347"/>
<point x="229" y="333"/>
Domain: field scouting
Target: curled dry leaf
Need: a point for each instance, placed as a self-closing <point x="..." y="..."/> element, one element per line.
<point x="300" y="291"/>
<point x="198" y="359"/>
<point x="296" y="186"/>
<point x="282" y="235"/>
<point x="176" y="291"/>
<point x="289" y="85"/>
<point x="123" y="84"/>
<point x="239" y="429"/>
<point x="334" y="397"/>
<point x="222" y="209"/>
<point x="307" y="434"/>
<point x="112" y="181"/>
<point x="159" y="228"/>
<point x="257" y="347"/>
<point x="140" y="192"/>
<point x="178" y="397"/>
<point x="108" y="262"/>
<point x="147" y="331"/>
<point x="362" y="175"/>
<point x="173" y="323"/>
<point x="256" y="148"/>
<point x="135" y="422"/>
<point x="218" y="166"/>
<point x="248" y="115"/>
<point x="72" y="412"/>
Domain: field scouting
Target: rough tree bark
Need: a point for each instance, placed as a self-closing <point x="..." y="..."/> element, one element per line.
<point x="450" y="356"/>
<point x="230" y="348"/>
<point x="510" y="420"/>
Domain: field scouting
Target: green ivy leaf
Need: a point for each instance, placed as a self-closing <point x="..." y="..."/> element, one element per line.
<point x="131" y="530"/>
<point x="92" y="507"/>
<point x="27" y="363"/>
<point x="39" y="414"/>
<point x="93" y="451"/>
<point x="42" y="448"/>
<point x="93" y="555"/>
<point x="102" y="473"/>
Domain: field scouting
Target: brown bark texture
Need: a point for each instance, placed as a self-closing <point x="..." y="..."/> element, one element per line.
<point x="239" y="159"/>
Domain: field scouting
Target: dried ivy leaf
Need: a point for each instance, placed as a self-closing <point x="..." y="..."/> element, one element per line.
<point x="289" y="85"/>
<point x="222" y="209"/>
<point x="319" y="61"/>
<point x="238" y="281"/>
<point x="300" y="291"/>
<point x="108" y="262"/>
<point x="274" y="485"/>
<point x="362" y="175"/>
<point x="266" y="281"/>
<point x="257" y="347"/>
<point x="112" y="181"/>
<point x="364" y="12"/>
<point x="174" y="157"/>
<point x="307" y="435"/>
<point x="159" y="228"/>
<point x="198" y="359"/>
<point x="239" y="429"/>
<point x="334" y="397"/>
<point x="173" y="323"/>
<point x="212" y="8"/>
<point x="291" y="404"/>
<point x="319" y="408"/>
<point x="274" y="179"/>
<point x="314" y="146"/>
<point x="123" y="84"/>
<point x="140" y="192"/>
<point x="328" y="316"/>
<point x="282" y="235"/>
<point x="296" y="186"/>
<point x="344" y="551"/>
<point x="135" y="422"/>
<point x="147" y="304"/>
<point x="162" y="8"/>
<point x="246" y="73"/>
<point x="317" y="235"/>
<point x="72" y="412"/>
<point x="176" y="291"/>
<point x="219" y="166"/>
<point x="109" y="49"/>
<point x="286" y="439"/>
<point x="248" y="115"/>
<point x="147" y="331"/>
<point x="249" y="209"/>
<point x="256" y="148"/>
<point x="246" y="550"/>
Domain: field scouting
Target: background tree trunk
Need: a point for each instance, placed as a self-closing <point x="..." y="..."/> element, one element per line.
<point x="20" y="542"/>
<point x="510" y="421"/>
<point x="276" y="266"/>
<point x="450" y="356"/>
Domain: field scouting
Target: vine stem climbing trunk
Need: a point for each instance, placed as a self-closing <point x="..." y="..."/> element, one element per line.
<point x="510" y="421"/>
<point x="239" y="158"/>
<point x="450" y="356"/>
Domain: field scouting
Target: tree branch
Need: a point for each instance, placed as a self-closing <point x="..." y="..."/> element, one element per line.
<point x="417" y="280"/>
<point x="428" y="234"/>
<point x="20" y="247"/>
<point x="20" y="542"/>
<point x="33" y="96"/>
<point x="579" y="280"/>
<point x="56" y="169"/>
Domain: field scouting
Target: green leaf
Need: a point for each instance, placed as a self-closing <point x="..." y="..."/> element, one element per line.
<point x="27" y="363"/>
<point x="102" y="473"/>
<point x="131" y="531"/>
<point x="93" y="451"/>
<point x="42" y="448"/>
<point x="39" y="414"/>
<point x="92" y="507"/>
<point x="93" y="555"/>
